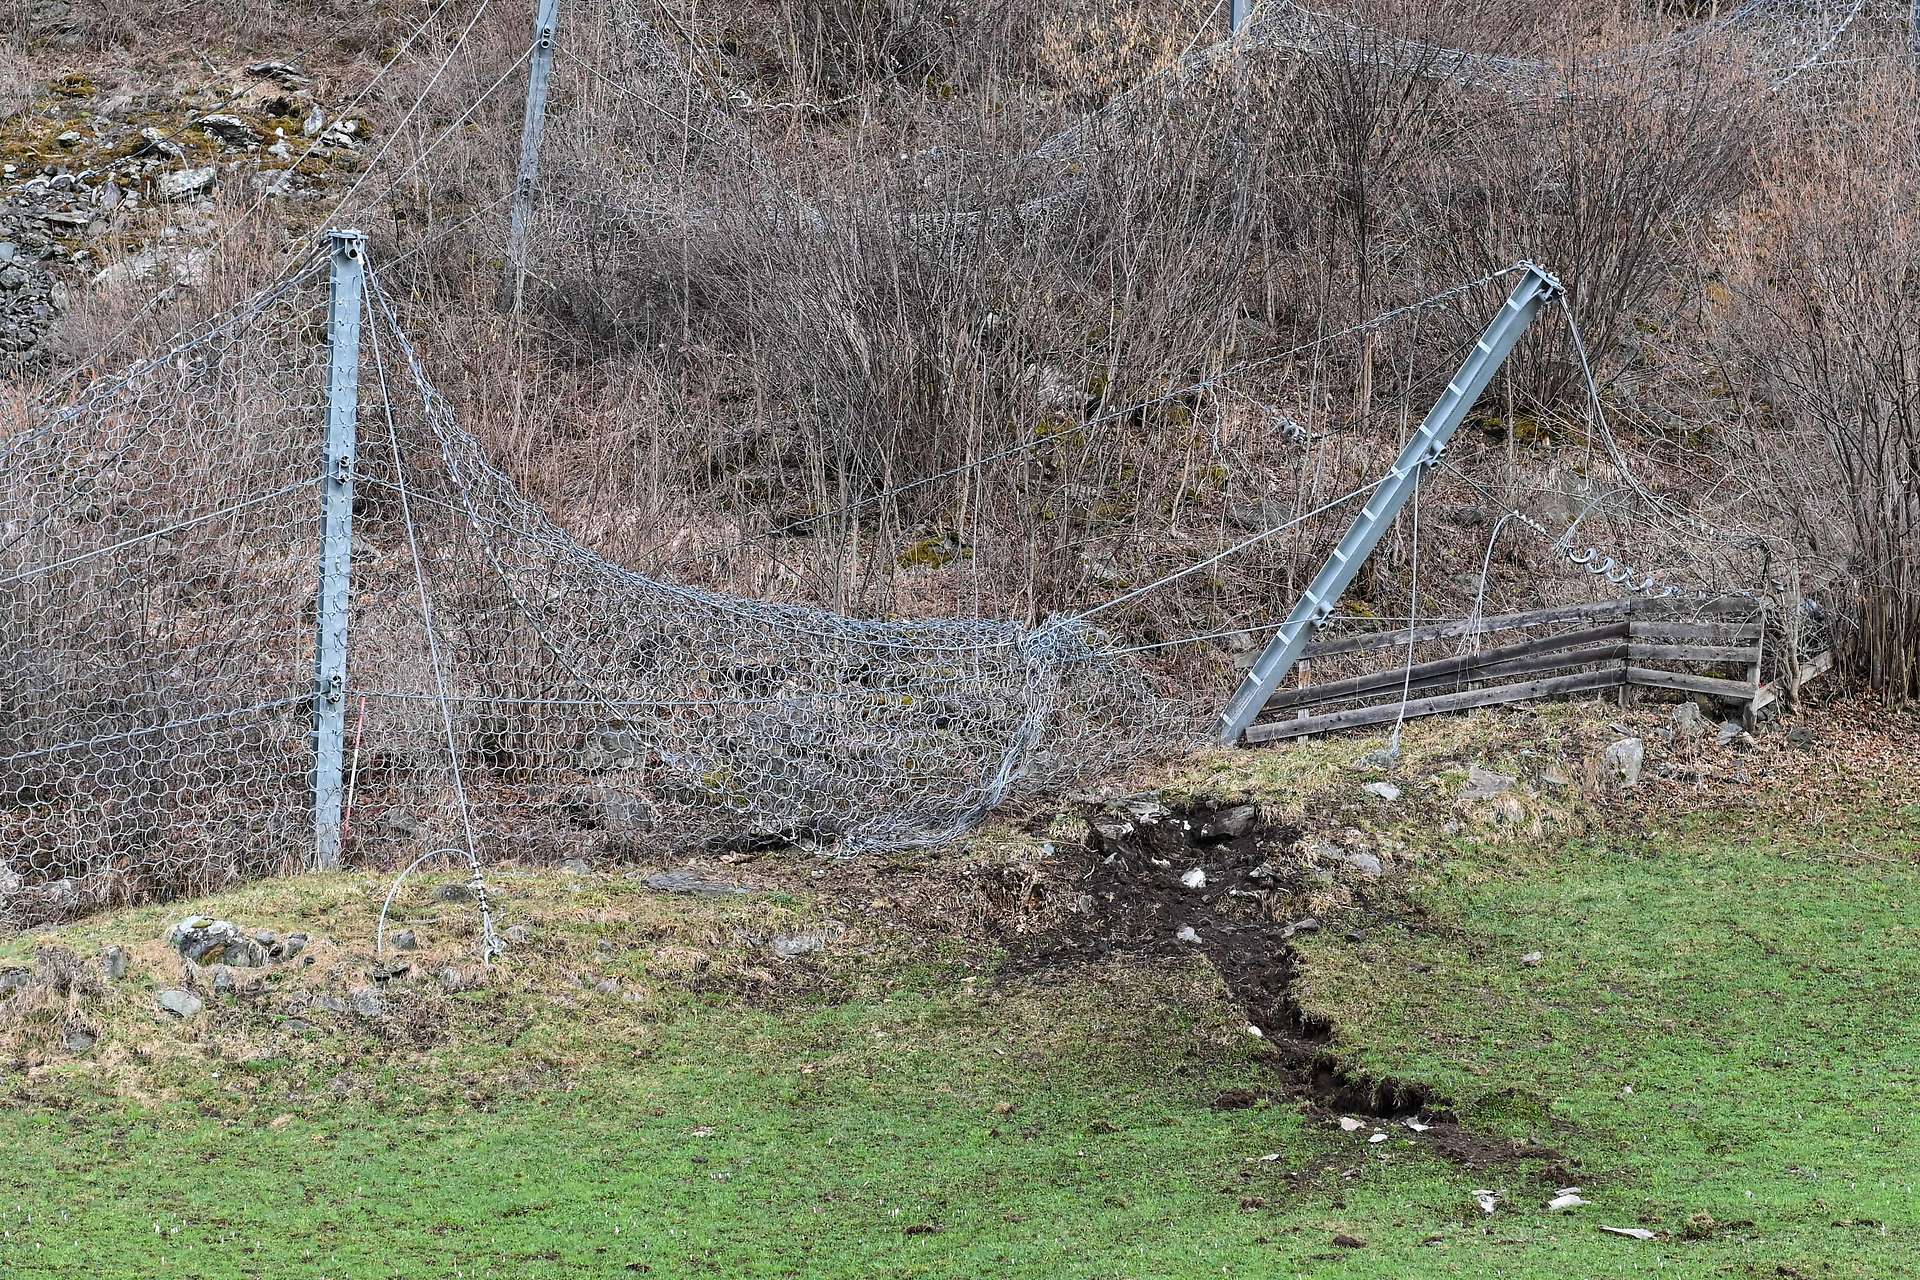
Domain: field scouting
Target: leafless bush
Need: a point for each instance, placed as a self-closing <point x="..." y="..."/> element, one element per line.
<point x="1828" y="329"/>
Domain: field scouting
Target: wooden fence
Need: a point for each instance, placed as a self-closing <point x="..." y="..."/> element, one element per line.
<point x="1718" y="648"/>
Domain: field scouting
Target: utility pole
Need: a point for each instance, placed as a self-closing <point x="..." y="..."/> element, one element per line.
<point x="546" y="26"/>
<point x="1422" y="450"/>
<point x="345" y="286"/>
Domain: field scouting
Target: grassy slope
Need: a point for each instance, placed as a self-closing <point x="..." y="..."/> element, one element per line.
<point x="1755" y="991"/>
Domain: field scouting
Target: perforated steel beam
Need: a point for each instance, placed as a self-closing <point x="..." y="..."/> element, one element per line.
<point x="346" y="283"/>
<point x="533" y="127"/>
<point x="1422" y="450"/>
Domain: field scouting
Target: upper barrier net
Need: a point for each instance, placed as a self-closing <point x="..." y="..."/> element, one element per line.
<point x="509" y="692"/>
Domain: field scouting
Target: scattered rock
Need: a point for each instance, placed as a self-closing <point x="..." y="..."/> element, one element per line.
<point x="1632" y="1233"/>
<point x="405" y="940"/>
<point x="575" y="867"/>
<point x="231" y="130"/>
<point x="1350" y="1125"/>
<point x="1729" y="733"/>
<point x="451" y="980"/>
<point x="181" y="1004"/>
<point x="518" y="935"/>
<point x="1485" y="784"/>
<point x="14" y="979"/>
<point x="1532" y="959"/>
<point x="115" y="962"/>
<point x="1188" y="934"/>
<point x="608" y="986"/>
<point x="791" y="946"/>
<point x="1227" y="824"/>
<point x="685" y="882"/>
<point x="1623" y="761"/>
<point x="1196" y="878"/>
<point x="78" y="1037"/>
<point x="1366" y="864"/>
<point x="185" y="184"/>
<point x="458" y="891"/>
<point x="1378" y="758"/>
<point x="1305" y="924"/>
<point x="206" y="941"/>
<point x="1688" y="723"/>
<point x="366" y="1003"/>
<point x="1384" y="790"/>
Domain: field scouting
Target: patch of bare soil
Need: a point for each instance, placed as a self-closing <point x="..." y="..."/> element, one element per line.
<point x="1224" y="883"/>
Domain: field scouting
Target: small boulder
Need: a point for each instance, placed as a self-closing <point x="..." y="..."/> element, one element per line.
<point x="1623" y="761"/>
<point x="1366" y="864"/>
<point x="518" y="935"/>
<point x="181" y="1004"/>
<point x="575" y="867"/>
<point x="1485" y="784"/>
<point x="183" y="185"/>
<point x="683" y="882"/>
<point x="792" y="946"/>
<point x="366" y="1003"/>
<point x="78" y="1037"/>
<point x="206" y="941"/>
<point x="458" y="891"/>
<point x="1227" y="824"/>
<point x="405" y="940"/>
<point x="115" y="961"/>
<point x="1688" y="724"/>
<point x="1382" y="790"/>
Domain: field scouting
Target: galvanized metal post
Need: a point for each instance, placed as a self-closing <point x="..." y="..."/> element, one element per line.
<point x="1239" y="10"/>
<point x="1422" y="450"/>
<point x="346" y="285"/>
<point x="546" y="25"/>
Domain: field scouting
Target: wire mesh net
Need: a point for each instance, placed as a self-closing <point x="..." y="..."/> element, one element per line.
<point x="508" y="690"/>
<point x="156" y="640"/>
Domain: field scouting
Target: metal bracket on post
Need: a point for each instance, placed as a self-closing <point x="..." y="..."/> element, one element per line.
<point x="546" y="27"/>
<point x="1422" y="450"/>
<point x="346" y="284"/>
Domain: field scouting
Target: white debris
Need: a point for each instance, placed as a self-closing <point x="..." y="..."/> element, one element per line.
<point x="1532" y="959"/>
<point x="1486" y="1200"/>
<point x="1350" y="1124"/>
<point x="1632" y="1233"/>
<point x="1378" y="1137"/>
<point x="1564" y="1201"/>
<point x="1416" y="1126"/>
<point x="1384" y="790"/>
<point x="1195" y="879"/>
<point x="1188" y="934"/>
<point x="1256" y="1032"/>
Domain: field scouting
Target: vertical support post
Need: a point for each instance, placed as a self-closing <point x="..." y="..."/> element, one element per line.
<point x="1422" y="450"/>
<point x="1238" y="11"/>
<point x="546" y="25"/>
<point x="346" y="284"/>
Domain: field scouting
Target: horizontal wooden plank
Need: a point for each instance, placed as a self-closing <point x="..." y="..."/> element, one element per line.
<point x="1712" y="686"/>
<point x="1389" y="684"/>
<point x="1728" y="633"/>
<point x="1649" y="652"/>
<point x="1386" y="713"/>
<point x="1461" y="666"/>
<point x="1461" y="627"/>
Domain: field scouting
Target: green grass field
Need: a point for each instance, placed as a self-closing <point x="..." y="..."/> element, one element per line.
<point x="1722" y="1036"/>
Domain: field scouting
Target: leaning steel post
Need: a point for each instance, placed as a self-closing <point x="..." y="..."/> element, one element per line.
<point x="1422" y="450"/>
<point x="346" y="285"/>
<point x="546" y="25"/>
<point x="1239" y="10"/>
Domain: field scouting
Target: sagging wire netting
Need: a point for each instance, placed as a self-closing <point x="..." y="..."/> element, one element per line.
<point x="158" y="542"/>
<point x="507" y="687"/>
<point x="685" y="716"/>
